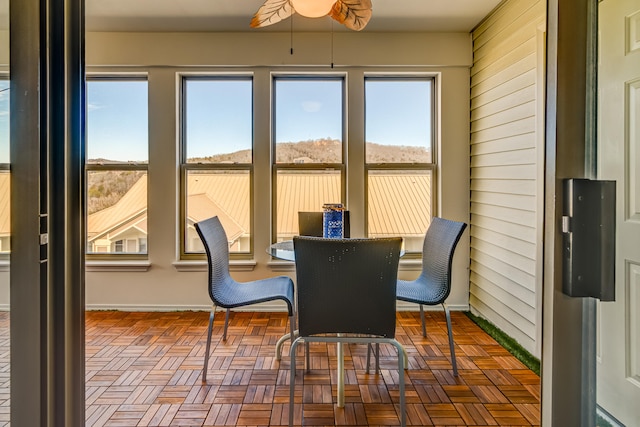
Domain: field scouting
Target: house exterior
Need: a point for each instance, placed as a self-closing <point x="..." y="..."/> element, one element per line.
<point x="122" y="227"/>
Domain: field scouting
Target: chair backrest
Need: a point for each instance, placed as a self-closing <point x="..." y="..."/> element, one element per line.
<point x="216" y="246"/>
<point x="440" y="243"/>
<point x="347" y="285"/>
<point x="310" y="224"/>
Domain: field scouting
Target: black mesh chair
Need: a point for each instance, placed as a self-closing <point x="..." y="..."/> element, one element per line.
<point x="433" y="285"/>
<point x="347" y="293"/>
<point x="226" y="292"/>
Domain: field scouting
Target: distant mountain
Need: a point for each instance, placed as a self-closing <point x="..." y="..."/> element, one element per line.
<point x="325" y="150"/>
<point x="105" y="188"/>
<point x="377" y="153"/>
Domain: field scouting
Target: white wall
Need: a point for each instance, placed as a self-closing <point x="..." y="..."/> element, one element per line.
<point x="507" y="104"/>
<point x="4" y="49"/>
<point x="162" y="55"/>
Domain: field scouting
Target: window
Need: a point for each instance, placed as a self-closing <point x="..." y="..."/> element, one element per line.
<point x="399" y="129"/>
<point x="117" y="159"/>
<point x="142" y="245"/>
<point x="4" y="168"/>
<point x="126" y="246"/>
<point x="217" y="159"/>
<point x="308" y="130"/>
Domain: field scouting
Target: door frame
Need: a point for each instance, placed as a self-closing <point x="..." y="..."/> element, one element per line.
<point x="46" y="42"/>
<point x="569" y="353"/>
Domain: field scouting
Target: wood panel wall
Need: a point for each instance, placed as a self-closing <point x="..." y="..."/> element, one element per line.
<point x="507" y="81"/>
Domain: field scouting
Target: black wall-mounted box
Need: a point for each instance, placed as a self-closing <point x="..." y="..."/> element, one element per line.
<point x="589" y="244"/>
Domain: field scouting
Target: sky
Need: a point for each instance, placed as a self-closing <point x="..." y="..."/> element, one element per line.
<point x="117" y="124"/>
<point x="219" y="115"/>
<point x="308" y="110"/>
<point x="397" y="113"/>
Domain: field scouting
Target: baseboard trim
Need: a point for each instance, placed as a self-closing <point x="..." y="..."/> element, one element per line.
<point x="145" y="307"/>
<point x="407" y="306"/>
<point x="264" y="307"/>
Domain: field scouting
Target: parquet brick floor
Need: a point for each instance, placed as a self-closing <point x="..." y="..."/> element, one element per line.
<point x="144" y="369"/>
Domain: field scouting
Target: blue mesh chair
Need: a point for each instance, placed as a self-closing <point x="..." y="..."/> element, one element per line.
<point x="433" y="285"/>
<point x="347" y="293"/>
<point x="226" y="292"/>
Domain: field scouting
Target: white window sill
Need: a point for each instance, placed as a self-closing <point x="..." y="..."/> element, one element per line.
<point x="410" y="265"/>
<point x="237" y="265"/>
<point x="279" y="265"/>
<point x="124" y="266"/>
<point x="234" y="265"/>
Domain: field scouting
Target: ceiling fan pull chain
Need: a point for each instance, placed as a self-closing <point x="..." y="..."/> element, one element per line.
<point x="332" y="44"/>
<point x="291" y="34"/>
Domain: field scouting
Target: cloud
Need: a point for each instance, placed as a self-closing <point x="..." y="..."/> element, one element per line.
<point x="311" y="106"/>
<point x="93" y="107"/>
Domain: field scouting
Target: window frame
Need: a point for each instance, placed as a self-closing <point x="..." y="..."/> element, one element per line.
<point x="431" y="167"/>
<point x="277" y="167"/>
<point x="6" y="168"/>
<point x="6" y="255"/>
<point x="186" y="167"/>
<point x="105" y="167"/>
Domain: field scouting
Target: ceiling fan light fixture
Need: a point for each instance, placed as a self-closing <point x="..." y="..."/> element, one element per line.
<point x="313" y="8"/>
<point x="353" y="14"/>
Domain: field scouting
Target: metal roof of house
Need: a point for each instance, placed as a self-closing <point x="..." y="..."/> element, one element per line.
<point x="229" y="191"/>
<point x="201" y="207"/>
<point x="400" y="205"/>
<point x="129" y="206"/>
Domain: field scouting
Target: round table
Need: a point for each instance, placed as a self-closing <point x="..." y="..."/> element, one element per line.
<point x="282" y="250"/>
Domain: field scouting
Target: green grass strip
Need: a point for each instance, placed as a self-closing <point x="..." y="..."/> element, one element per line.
<point x="507" y="342"/>
<point x="601" y="422"/>
<point x="518" y="352"/>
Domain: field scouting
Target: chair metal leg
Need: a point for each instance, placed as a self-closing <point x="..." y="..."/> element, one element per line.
<point x="206" y="354"/>
<point x="292" y="327"/>
<point x="401" y="368"/>
<point x="424" y="327"/>
<point x="377" y="357"/>
<point x="306" y="356"/>
<point x="340" y="386"/>
<point x="451" y="346"/>
<point x="292" y="383"/>
<point x="406" y="358"/>
<point x="226" y="324"/>
<point x="403" y="412"/>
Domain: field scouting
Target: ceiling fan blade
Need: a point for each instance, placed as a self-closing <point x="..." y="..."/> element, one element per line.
<point x="354" y="14"/>
<point x="271" y="12"/>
